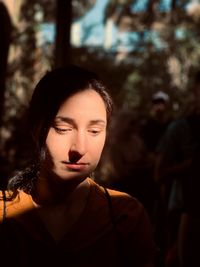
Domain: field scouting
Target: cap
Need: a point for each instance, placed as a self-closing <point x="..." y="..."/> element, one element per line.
<point x="160" y="96"/>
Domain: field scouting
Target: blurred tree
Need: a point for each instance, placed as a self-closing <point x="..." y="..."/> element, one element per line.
<point x="164" y="52"/>
<point x="5" y="34"/>
<point x="63" y="26"/>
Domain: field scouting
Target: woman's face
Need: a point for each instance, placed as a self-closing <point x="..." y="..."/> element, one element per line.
<point x="76" y="138"/>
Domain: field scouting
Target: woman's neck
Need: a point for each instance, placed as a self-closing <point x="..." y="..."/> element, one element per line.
<point x="48" y="192"/>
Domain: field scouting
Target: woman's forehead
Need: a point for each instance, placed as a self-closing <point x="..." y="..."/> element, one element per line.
<point x="83" y="103"/>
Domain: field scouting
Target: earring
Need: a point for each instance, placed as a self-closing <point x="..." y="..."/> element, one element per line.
<point x="92" y="176"/>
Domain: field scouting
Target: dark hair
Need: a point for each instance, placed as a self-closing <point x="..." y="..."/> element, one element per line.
<point x="54" y="88"/>
<point x="51" y="91"/>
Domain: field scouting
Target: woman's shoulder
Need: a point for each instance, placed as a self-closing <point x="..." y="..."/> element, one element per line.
<point x="122" y="204"/>
<point x="118" y="197"/>
<point x="127" y="207"/>
<point x="130" y="219"/>
<point x="124" y="200"/>
<point x="12" y="205"/>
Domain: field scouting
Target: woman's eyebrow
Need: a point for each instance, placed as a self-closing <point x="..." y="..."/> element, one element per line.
<point x="98" y="121"/>
<point x="73" y="122"/>
<point x="65" y="119"/>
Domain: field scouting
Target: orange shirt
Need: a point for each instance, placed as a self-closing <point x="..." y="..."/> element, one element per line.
<point x="94" y="239"/>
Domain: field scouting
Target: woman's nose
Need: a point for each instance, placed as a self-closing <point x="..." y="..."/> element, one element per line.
<point x="79" y="144"/>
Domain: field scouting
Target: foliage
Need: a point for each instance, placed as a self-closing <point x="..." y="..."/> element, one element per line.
<point x="165" y="57"/>
<point x="24" y="67"/>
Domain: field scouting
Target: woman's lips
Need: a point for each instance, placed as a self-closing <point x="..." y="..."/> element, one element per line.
<point x="76" y="166"/>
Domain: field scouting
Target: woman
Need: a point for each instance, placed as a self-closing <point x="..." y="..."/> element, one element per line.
<point x="54" y="213"/>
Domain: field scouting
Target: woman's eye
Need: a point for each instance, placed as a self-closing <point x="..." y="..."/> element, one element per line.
<point x="94" y="131"/>
<point x="62" y="130"/>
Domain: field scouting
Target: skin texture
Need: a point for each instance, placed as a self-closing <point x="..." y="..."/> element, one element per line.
<point x="77" y="136"/>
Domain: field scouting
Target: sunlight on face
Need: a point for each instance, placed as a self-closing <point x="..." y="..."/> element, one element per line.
<point x="76" y="138"/>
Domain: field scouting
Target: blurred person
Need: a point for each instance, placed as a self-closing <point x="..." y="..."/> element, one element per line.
<point x="157" y="121"/>
<point x="53" y="212"/>
<point x="176" y="172"/>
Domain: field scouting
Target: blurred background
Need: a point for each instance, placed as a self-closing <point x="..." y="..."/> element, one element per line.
<point x="139" y="47"/>
<point x="148" y="53"/>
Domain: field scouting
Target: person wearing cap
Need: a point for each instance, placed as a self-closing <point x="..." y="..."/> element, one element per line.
<point x="177" y="173"/>
<point x="155" y="125"/>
